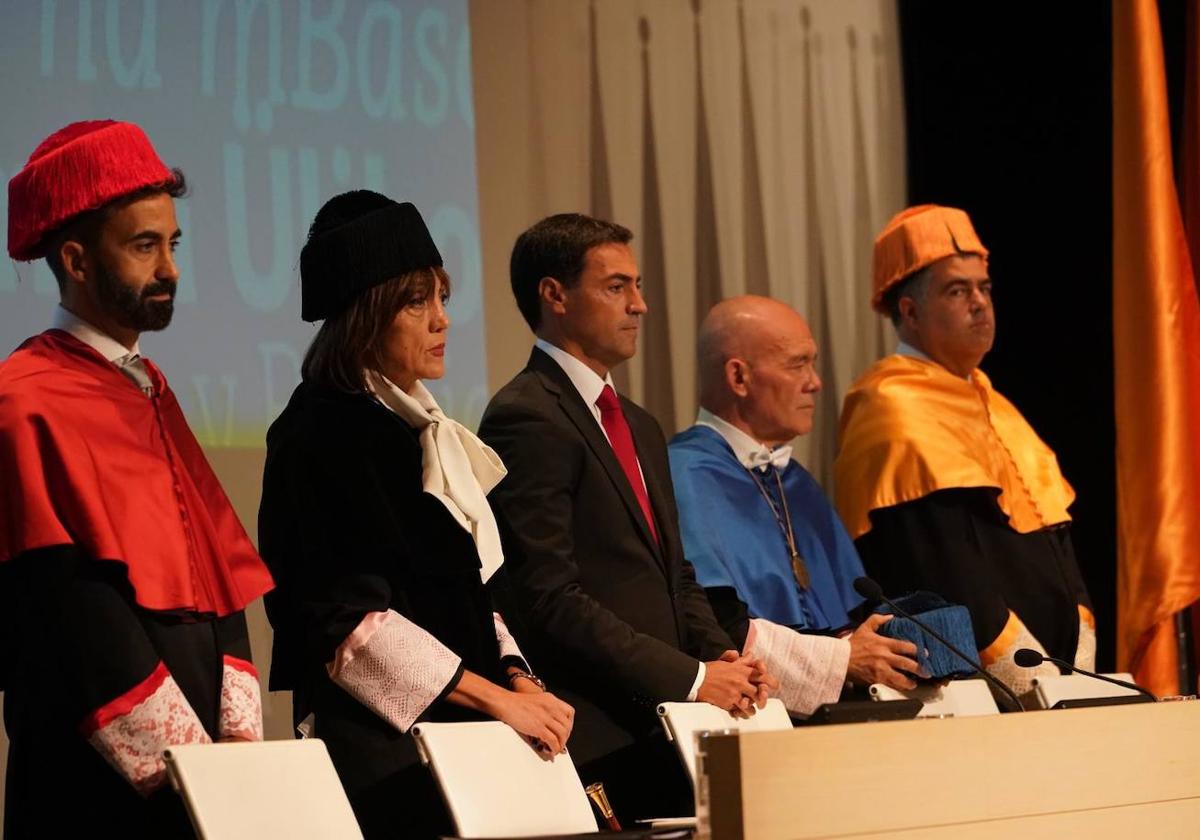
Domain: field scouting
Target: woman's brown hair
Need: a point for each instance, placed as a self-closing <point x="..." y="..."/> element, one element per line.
<point x="350" y="342"/>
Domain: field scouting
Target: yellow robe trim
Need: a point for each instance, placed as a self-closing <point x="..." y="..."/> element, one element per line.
<point x="909" y="428"/>
<point x="1003" y="643"/>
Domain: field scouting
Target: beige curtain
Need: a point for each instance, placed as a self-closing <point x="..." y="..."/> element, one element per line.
<point x="751" y="146"/>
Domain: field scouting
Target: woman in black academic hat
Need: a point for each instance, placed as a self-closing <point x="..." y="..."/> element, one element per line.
<point x="376" y="525"/>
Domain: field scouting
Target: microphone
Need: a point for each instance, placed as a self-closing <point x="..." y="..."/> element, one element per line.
<point x="1027" y="658"/>
<point x="873" y="592"/>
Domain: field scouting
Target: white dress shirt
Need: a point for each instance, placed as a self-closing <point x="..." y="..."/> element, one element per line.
<point x="586" y="381"/>
<point x="749" y="452"/>
<point x="102" y="343"/>
<point x="589" y="385"/>
<point x="903" y="349"/>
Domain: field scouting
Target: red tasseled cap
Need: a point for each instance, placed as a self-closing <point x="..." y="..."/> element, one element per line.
<point x="77" y="168"/>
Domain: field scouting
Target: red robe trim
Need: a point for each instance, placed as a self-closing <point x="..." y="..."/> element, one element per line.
<point x="126" y="703"/>
<point x="132" y="731"/>
<point x="86" y="459"/>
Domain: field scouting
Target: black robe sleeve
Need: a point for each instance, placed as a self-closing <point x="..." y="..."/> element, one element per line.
<point x="74" y="628"/>
<point x="77" y="648"/>
<point x="347" y="530"/>
<point x="958" y="544"/>
<point x="320" y="536"/>
<point x="731" y="612"/>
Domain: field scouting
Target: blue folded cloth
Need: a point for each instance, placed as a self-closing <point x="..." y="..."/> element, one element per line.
<point x="951" y="621"/>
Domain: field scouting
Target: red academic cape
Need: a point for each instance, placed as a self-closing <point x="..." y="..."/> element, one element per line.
<point x="87" y="460"/>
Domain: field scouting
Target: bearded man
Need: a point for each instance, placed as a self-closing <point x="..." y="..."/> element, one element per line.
<point x="123" y="568"/>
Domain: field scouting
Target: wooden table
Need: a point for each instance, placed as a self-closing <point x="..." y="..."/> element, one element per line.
<point x="1116" y="771"/>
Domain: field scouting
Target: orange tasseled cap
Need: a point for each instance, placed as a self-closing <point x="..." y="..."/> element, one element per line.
<point x="918" y="237"/>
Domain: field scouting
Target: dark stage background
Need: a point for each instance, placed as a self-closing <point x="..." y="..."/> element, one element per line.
<point x="1009" y="113"/>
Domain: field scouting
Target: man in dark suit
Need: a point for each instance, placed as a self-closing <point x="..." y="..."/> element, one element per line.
<point x="606" y="606"/>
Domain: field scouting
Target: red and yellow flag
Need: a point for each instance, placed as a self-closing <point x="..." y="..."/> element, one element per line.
<point x="1156" y="342"/>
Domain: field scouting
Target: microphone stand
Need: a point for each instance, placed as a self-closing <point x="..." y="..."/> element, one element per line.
<point x="1032" y="658"/>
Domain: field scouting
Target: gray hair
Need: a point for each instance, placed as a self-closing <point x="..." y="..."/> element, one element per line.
<point x="915" y="286"/>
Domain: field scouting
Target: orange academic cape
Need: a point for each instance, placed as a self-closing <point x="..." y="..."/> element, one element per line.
<point x="910" y="428"/>
<point x="944" y="486"/>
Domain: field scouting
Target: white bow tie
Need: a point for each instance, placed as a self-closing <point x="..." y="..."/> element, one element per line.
<point x="777" y="457"/>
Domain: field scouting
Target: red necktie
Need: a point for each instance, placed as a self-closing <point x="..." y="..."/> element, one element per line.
<point x="617" y="429"/>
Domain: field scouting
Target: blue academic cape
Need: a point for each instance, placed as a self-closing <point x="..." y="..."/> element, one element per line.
<point x="732" y="537"/>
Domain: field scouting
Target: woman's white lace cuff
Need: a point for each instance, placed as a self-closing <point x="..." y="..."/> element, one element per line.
<point x="393" y="667"/>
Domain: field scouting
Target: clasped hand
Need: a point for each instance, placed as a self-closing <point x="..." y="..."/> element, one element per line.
<point x="738" y="684"/>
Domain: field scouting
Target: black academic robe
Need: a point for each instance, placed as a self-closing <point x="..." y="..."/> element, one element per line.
<point x="959" y="544"/>
<point x="124" y="574"/>
<point x="347" y="530"/>
<point x="75" y="640"/>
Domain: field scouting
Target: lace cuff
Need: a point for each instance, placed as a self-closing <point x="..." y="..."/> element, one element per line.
<point x="393" y="667"/>
<point x="998" y="657"/>
<point x="508" y="645"/>
<point x="132" y="731"/>
<point x="241" y="701"/>
<point x="1085" y="651"/>
<point x="811" y="669"/>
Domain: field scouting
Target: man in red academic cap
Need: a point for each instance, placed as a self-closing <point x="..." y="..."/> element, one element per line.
<point x="123" y="568"/>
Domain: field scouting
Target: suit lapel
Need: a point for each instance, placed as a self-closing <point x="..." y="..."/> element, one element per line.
<point x="556" y="381"/>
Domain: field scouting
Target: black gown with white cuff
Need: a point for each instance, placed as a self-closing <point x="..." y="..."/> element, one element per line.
<point x="347" y="531"/>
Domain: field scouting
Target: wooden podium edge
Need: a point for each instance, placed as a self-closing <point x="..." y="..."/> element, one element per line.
<point x="722" y="772"/>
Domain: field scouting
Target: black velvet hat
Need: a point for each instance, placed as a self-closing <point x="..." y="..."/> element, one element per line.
<point x="358" y="240"/>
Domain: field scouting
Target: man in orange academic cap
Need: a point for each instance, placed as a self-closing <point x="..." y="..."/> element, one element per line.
<point x="941" y="482"/>
<point x="123" y="568"/>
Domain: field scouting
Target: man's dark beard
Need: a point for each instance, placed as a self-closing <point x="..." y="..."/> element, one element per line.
<point x="130" y="308"/>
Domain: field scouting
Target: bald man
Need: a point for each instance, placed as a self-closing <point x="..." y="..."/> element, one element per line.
<point x="766" y="544"/>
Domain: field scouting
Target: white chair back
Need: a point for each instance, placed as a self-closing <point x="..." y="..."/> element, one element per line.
<point x="957" y="698"/>
<point x="1051" y="690"/>
<point x="495" y="785"/>
<point x="683" y="720"/>
<point x="247" y="791"/>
